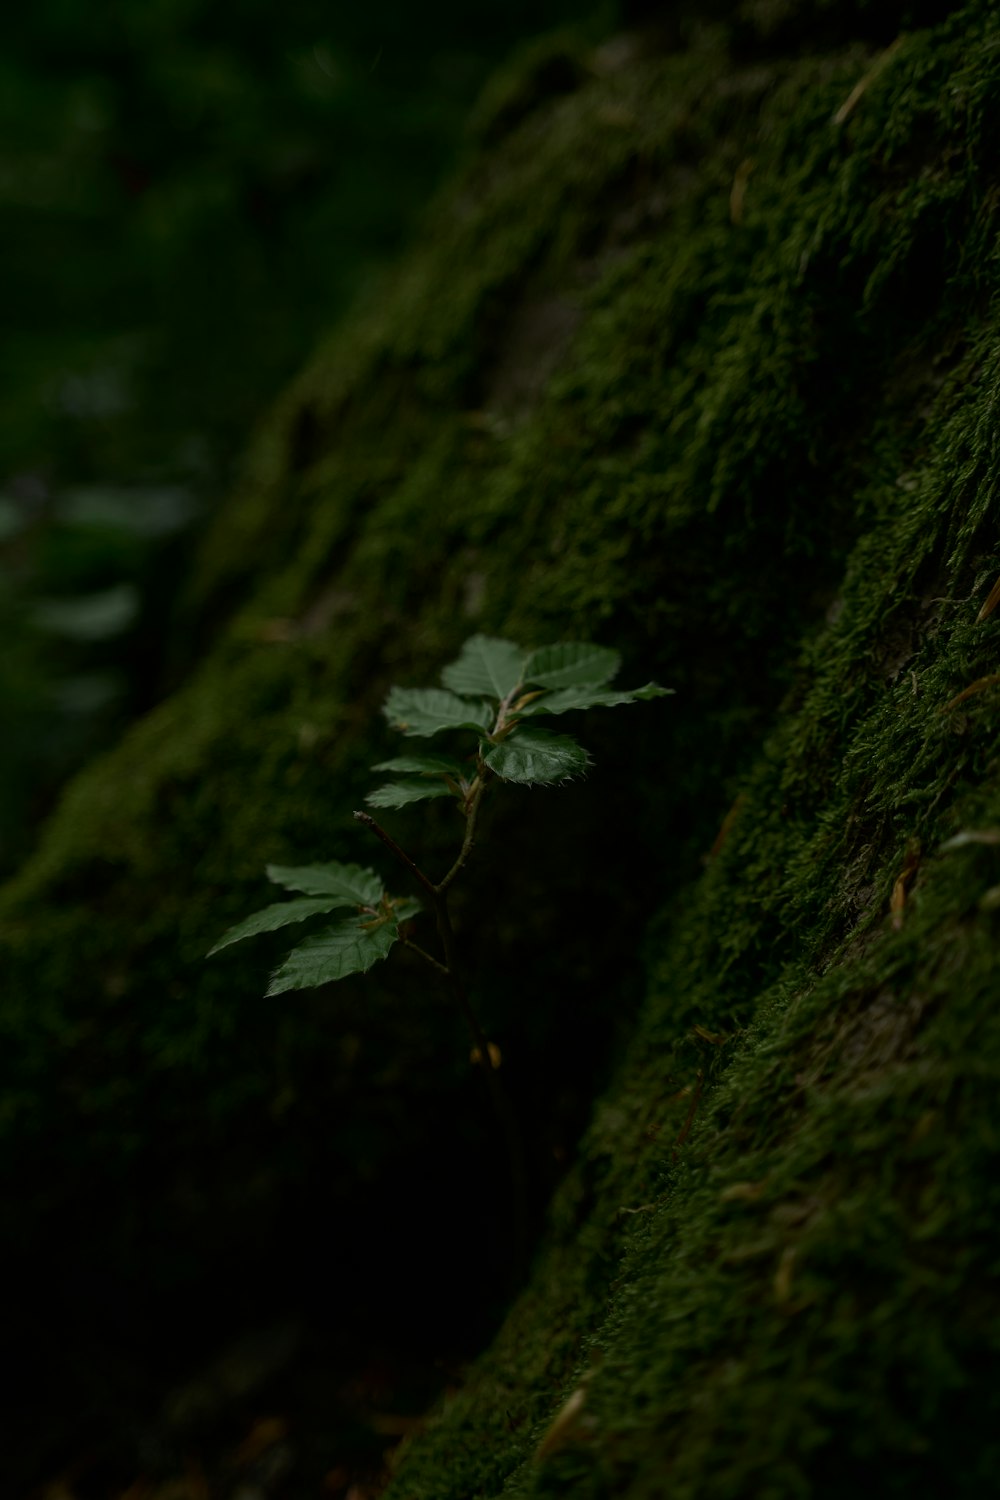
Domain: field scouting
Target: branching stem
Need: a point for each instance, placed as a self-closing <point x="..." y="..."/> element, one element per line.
<point x="439" y="902"/>
<point x="401" y="855"/>
<point x="471" y="815"/>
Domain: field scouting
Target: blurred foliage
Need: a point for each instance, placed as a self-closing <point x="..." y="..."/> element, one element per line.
<point x="189" y="194"/>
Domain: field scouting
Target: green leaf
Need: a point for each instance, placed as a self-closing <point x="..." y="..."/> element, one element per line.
<point x="12" y="519"/>
<point x="400" y="793"/>
<point x="571" y="664"/>
<point x="360" y="887"/>
<point x="536" y="755"/>
<point x="565" y="699"/>
<point x="405" y="907"/>
<point x="89" y="617"/>
<point x="281" y="914"/>
<point x="485" y="665"/>
<point x="430" y="765"/>
<point x="349" y="947"/>
<point x="426" y="711"/>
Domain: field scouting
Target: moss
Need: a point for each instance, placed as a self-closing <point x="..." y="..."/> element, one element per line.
<point x="760" y="456"/>
<point x="800" y="1299"/>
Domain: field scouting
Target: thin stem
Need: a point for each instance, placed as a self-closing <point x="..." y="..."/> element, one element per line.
<point x="451" y="974"/>
<point x="504" y="708"/>
<point x="468" y="842"/>
<point x="427" y="957"/>
<point x="502" y="1108"/>
<point x="447" y="936"/>
<point x="439" y="902"/>
<point x="401" y="855"/>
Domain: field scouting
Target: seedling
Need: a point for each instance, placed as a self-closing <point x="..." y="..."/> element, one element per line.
<point x="488" y="705"/>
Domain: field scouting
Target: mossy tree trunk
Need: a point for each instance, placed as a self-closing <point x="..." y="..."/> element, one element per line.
<point x="700" y="358"/>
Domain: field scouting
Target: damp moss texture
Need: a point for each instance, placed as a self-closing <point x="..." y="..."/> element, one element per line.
<point x="699" y="357"/>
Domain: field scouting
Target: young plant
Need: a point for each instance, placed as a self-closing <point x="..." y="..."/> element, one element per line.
<point x="489" y="706"/>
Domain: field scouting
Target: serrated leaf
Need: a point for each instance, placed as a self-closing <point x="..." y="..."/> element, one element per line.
<point x="281" y="914"/>
<point x="535" y="755"/>
<point x="349" y="947"/>
<point x="430" y="765"/>
<point x="565" y="699"/>
<point x="426" y="711"/>
<point x="485" y="665"/>
<point x="570" y="665"/>
<point x="401" y="793"/>
<point x="361" y="887"/>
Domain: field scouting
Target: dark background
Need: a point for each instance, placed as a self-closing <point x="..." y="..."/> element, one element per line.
<point x="191" y="194"/>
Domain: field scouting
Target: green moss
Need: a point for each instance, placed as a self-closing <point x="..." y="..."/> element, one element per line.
<point x="751" y="440"/>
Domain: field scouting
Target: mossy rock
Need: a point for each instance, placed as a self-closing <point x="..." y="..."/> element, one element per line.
<point x="698" y="358"/>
